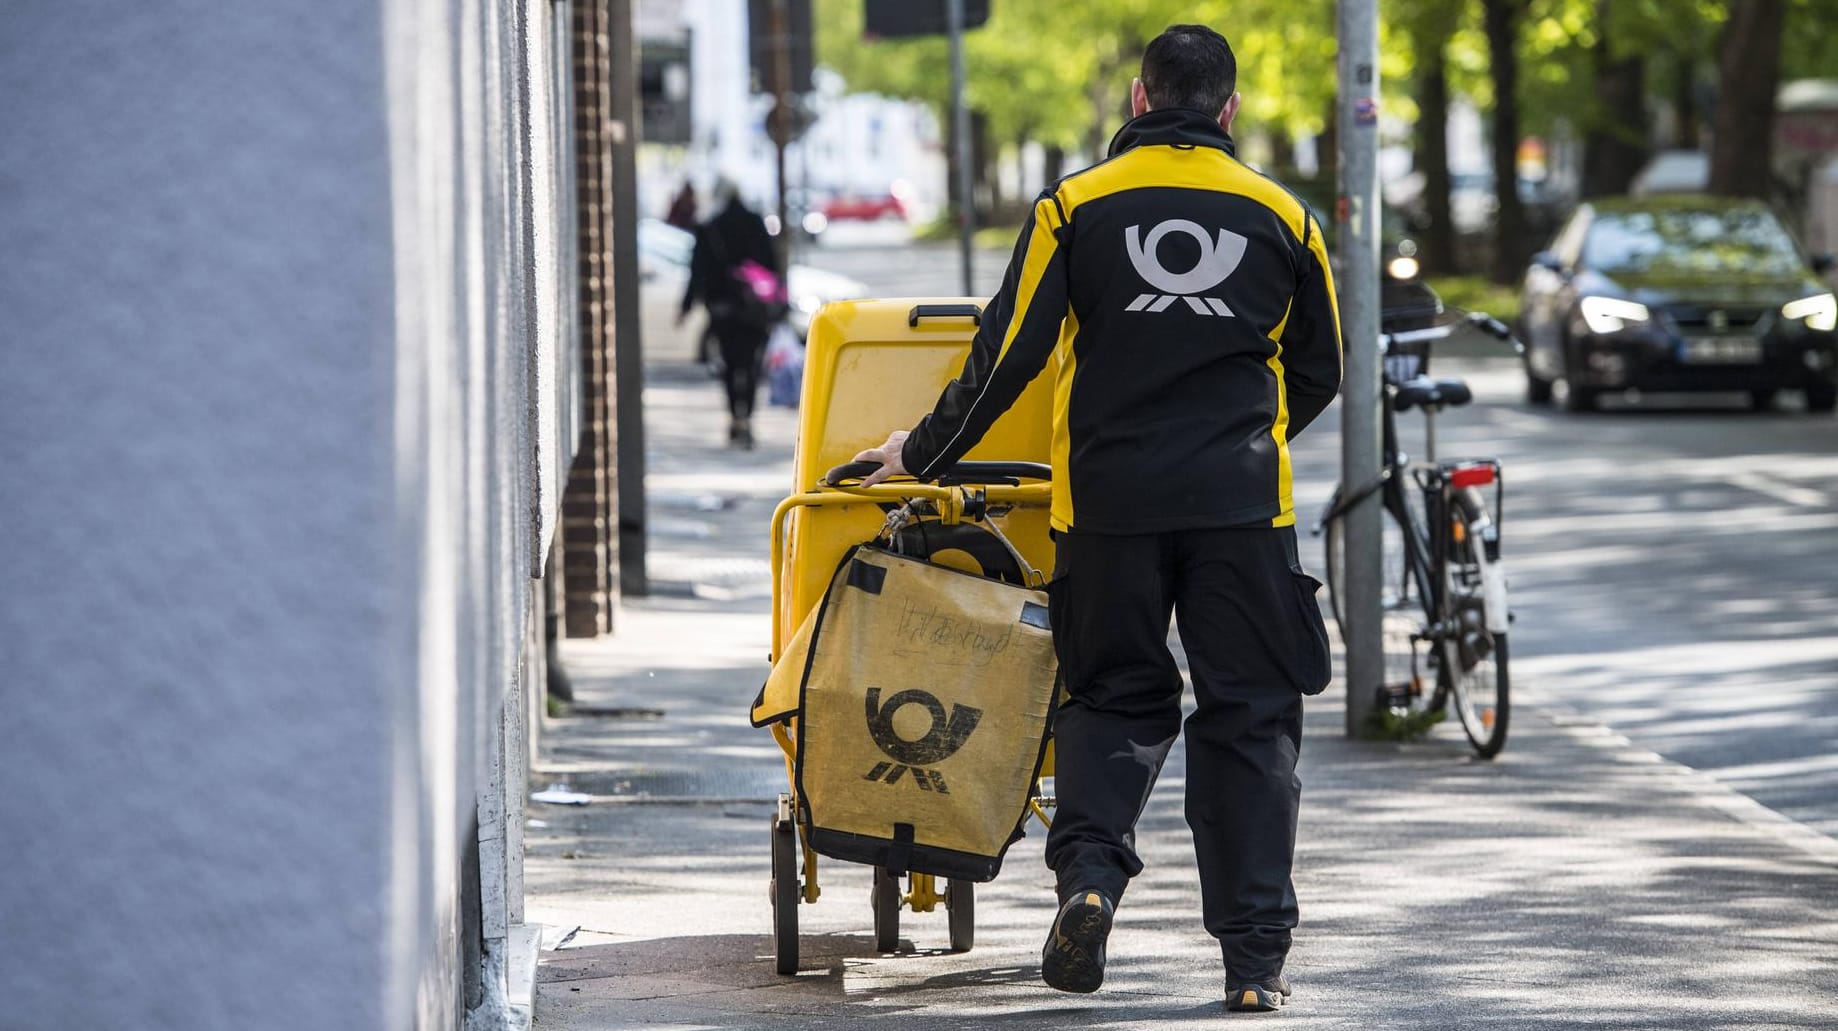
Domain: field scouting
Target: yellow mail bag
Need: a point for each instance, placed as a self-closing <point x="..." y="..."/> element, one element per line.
<point x="924" y="695"/>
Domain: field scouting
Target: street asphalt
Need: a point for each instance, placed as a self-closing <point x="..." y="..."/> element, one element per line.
<point x="1580" y="880"/>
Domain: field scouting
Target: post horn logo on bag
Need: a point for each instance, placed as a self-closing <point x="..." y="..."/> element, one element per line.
<point x="1218" y="260"/>
<point x="942" y="739"/>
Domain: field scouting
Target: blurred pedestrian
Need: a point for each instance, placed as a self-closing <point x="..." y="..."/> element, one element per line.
<point x="734" y="272"/>
<point x="1186" y="304"/>
<point x="683" y="208"/>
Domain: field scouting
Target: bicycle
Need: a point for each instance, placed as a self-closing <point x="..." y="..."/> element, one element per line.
<point x="1443" y="588"/>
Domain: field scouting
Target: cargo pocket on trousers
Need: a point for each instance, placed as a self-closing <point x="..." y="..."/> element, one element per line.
<point x="1314" y="663"/>
<point x="1060" y="616"/>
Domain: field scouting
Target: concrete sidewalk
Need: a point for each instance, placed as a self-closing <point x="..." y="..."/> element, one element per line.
<point x="1575" y="882"/>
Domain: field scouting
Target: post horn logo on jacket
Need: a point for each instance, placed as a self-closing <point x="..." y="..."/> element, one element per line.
<point x="1216" y="264"/>
<point x="1188" y="308"/>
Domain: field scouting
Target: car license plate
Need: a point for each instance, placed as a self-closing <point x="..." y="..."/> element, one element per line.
<point x="1723" y="351"/>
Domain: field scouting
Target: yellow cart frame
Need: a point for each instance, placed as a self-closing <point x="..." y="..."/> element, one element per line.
<point x="871" y="367"/>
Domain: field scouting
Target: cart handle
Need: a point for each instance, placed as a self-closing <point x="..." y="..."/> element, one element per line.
<point x="944" y="311"/>
<point x="961" y="473"/>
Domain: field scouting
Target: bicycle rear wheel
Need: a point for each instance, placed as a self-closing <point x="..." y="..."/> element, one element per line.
<point x="1473" y="669"/>
<point x="1408" y="684"/>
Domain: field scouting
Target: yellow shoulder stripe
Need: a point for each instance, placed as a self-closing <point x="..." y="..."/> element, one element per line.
<point x="1199" y="168"/>
<point x="1041" y="246"/>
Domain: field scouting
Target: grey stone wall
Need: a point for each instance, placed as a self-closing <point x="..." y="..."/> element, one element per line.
<point x="286" y="383"/>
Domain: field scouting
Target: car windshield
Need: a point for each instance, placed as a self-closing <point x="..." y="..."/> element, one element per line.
<point x="1747" y="241"/>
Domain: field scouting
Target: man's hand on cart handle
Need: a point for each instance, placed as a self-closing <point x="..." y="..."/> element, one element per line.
<point x="889" y="455"/>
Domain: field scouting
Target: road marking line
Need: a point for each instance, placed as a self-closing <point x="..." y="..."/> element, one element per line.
<point x="1702" y="786"/>
<point x="1802" y="496"/>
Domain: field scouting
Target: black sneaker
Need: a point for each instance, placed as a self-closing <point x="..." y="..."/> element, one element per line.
<point x="1259" y="996"/>
<point x="1073" y="959"/>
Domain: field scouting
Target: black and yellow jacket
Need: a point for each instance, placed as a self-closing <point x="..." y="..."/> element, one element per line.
<point x="1187" y="303"/>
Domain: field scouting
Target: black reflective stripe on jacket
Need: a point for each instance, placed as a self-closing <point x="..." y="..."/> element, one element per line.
<point x="1189" y="306"/>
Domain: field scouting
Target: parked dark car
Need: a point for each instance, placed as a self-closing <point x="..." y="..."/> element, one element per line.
<point x="1678" y="294"/>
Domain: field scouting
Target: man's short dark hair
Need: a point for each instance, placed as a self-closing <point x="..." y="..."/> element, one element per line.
<point x="1189" y="66"/>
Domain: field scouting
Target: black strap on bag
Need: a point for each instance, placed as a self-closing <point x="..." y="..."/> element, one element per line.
<point x="900" y="851"/>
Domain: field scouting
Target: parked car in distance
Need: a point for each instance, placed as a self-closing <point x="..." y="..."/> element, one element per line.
<point x="1678" y="293"/>
<point x="847" y="207"/>
<point x="1672" y="171"/>
<point x="663" y="275"/>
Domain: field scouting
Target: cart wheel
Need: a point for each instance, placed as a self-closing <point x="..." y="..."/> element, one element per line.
<point x="886" y="911"/>
<point x="785" y="894"/>
<point x="960" y="900"/>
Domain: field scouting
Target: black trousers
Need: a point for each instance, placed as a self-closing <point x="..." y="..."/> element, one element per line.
<point x="1255" y="644"/>
<point x="743" y="352"/>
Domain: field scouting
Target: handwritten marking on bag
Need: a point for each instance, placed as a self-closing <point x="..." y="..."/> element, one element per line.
<point x="941" y="740"/>
<point x="934" y="631"/>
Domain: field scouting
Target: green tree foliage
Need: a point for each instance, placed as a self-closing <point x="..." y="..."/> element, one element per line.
<point x="1059" y="73"/>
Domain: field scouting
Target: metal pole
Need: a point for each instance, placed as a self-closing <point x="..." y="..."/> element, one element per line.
<point x="628" y="355"/>
<point x="1358" y="214"/>
<point x="960" y="120"/>
<point x="780" y="119"/>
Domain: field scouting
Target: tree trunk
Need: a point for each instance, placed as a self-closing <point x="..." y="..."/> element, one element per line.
<point x="988" y="194"/>
<point x="1282" y="152"/>
<point x="1438" y="236"/>
<point x="1616" y="146"/>
<point x="1510" y="244"/>
<point x="1748" y="75"/>
<point x="1685" y="135"/>
<point x="1097" y="136"/>
<point x="954" y="152"/>
<point x="1055" y="164"/>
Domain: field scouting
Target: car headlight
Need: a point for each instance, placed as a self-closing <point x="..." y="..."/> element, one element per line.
<point x="1403" y="268"/>
<point x="1820" y="313"/>
<point x="1612" y="314"/>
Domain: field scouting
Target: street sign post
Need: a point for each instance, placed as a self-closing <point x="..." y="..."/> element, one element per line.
<point x="1358" y="212"/>
<point x="767" y="38"/>
<point x="891" y="19"/>
<point x="960" y="117"/>
<point x="894" y="19"/>
<point x="787" y="22"/>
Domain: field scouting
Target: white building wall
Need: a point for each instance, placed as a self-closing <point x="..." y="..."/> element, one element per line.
<point x="282" y="418"/>
<point x="859" y="143"/>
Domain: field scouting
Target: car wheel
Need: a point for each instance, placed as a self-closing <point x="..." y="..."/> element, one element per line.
<point x="1537" y="390"/>
<point x="1761" y="400"/>
<point x="1822" y="398"/>
<point x="1580" y="399"/>
<point x="1576" y="399"/>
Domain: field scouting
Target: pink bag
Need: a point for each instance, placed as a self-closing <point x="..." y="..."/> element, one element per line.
<point x="761" y="281"/>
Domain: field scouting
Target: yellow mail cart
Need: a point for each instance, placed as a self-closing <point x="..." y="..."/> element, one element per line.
<point x="871" y="367"/>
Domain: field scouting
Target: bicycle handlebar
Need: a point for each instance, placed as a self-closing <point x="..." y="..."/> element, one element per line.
<point x="1477" y="320"/>
<point x="961" y="473"/>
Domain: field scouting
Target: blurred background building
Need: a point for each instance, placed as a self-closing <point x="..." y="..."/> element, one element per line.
<point x="705" y="116"/>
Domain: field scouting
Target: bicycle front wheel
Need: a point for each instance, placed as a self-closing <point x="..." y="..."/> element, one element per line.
<point x="1472" y="662"/>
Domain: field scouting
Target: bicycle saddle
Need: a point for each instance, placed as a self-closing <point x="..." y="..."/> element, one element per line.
<point x="1431" y="393"/>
